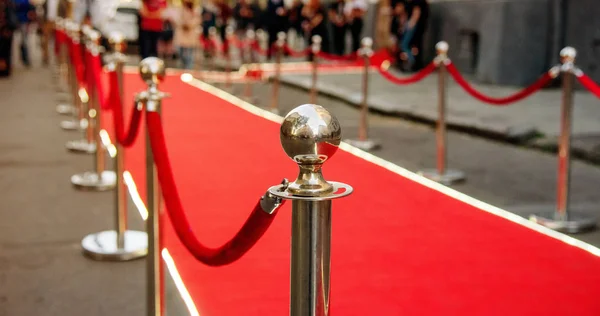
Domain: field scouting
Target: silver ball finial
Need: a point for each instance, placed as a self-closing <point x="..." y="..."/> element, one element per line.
<point x="366" y="42"/>
<point x="152" y="70"/>
<point x="280" y="39"/>
<point x="117" y="41"/>
<point x="250" y="34"/>
<point x="568" y="54"/>
<point x="441" y="48"/>
<point x="316" y="39"/>
<point x="310" y="134"/>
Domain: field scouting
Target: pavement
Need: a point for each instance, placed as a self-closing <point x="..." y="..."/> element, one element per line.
<point x="533" y="122"/>
<point x="43" y="218"/>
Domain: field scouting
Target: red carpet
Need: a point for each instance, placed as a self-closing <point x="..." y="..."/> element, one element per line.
<point x="399" y="248"/>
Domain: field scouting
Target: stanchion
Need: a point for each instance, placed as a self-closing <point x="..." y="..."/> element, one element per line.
<point x="75" y="122"/>
<point x="227" y="52"/>
<point x="315" y="49"/>
<point x="310" y="135"/>
<point x="562" y="219"/>
<point x="63" y="81"/>
<point x="152" y="71"/>
<point x="276" y="80"/>
<point x="250" y="40"/>
<point x="212" y="36"/>
<point x="99" y="179"/>
<point x="363" y="142"/>
<point x="442" y="174"/>
<point x="199" y="64"/>
<point x="119" y="244"/>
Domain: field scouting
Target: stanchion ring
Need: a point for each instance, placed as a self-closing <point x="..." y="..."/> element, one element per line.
<point x="339" y="190"/>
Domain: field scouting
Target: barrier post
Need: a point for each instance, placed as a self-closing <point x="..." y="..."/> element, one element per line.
<point x="99" y="179"/>
<point x="250" y="40"/>
<point x="315" y="48"/>
<point x="212" y="35"/>
<point x="74" y="33"/>
<point x="562" y="219"/>
<point x="363" y="142"/>
<point x="152" y="71"/>
<point x="311" y="199"/>
<point x="63" y="82"/>
<point x="229" y="40"/>
<point x="120" y="244"/>
<point x="442" y="174"/>
<point x="275" y="96"/>
<point x="81" y="99"/>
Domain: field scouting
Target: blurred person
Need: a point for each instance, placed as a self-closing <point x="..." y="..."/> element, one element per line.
<point x="295" y="30"/>
<point x="151" y="26"/>
<point x="25" y="14"/>
<point x="355" y="12"/>
<point x="224" y="14"/>
<point x="275" y="21"/>
<point x="418" y="14"/>
<point x="209" y="19"/>
<point x="186" y="21"/>
<point x="8" y="24"/>
<point x="314" y="23"/>
<point x="50" y="12"/>
<point x="165" y="47"/>
<point x="398" y="27"/>
<point x="338" y="26"/>
<point x="245" y="14"/>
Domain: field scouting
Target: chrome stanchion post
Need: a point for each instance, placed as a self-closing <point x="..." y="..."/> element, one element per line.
<point x="276" y="80"/>
<point x="228" y="39"/>
<point x="212" y="35"/>
<point x="200" y="54"/>
<point x="152" y="71"/>
<point x="310" y="135"/>
<point x="120" y="244"/>
<point x="562" y="219"/>
<point x="73" y="123"/>
<point x="63" y="80"/>
<point x="100" y="179"/>
<point x="442" y="174"/>
<point x="315" y="48"/>
<point x="363" y="142"/>
<point x="250" y="40"/>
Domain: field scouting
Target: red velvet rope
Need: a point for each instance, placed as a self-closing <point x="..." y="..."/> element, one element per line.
<point x="114" y="99"/>
<point x="76" y="59"/>
<point x="537" y="85"/>
<point x="348" y="57"/>
<point x="252" y="230"/>
<point x="256" y="47"/>
<point x="589" y="84"/>
<point x="59" y="40"/>
<point x="295" y="53"/>
<point x="408" y="80"/>
<point x="97" y="83"/>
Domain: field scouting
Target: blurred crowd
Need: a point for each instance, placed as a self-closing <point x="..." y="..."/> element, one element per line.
<point x="172" y="31"/>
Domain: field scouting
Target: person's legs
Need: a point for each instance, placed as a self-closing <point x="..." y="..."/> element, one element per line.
<point x="417" y="43"/>
<point x="187" y="57"/>
<point x="339" y="39"/>
<point x="144" y="44"/>
<point x="24" y="29"/>
<point x="356" y="30"/>
<point x="272" y="34"/>
<point x="405" y="46"/>
<point x="153" y="43"/>
<point x="5" y="53"/>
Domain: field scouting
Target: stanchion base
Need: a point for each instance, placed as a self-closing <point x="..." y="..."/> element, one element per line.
<point x="65" y="109"/>
<point x="81" y="146"/>
<point x="102" y="246"/>
<point x="251" y="100"/>
<point x="449" y="177"/>
<point x="89" y="181"/>
<point x="70" y="125"/>
<point x="274" y="111"/>
<point x="366" y="145"/>
<point x="574" y="223"/>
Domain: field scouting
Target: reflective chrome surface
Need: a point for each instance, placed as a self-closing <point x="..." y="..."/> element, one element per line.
<point x="152" y="70"/>
<point x="91" y="181"/>
<point x="448" y="177"/>
<point x="572" y="223"/>
<point x="81" y="146"/>
<point x="103" y="246"/>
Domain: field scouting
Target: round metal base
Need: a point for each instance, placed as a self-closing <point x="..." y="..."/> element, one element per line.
<point x="449" y="177"/>
<point x="81" y="146"/>
<point x="574" y="223"/>
<point x="275" y="111"/>
<point x="103" y="246"/>
<point x="65" y="109"/>
<point x="70" y="125"/>
<point x="366" y="145"/>
<point x="89" y="181"/>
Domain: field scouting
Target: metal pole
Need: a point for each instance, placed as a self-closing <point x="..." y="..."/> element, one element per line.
<point x="250" y="40"/>
<point x="228" y="39"/>
<point x="200" y="55"/>
<point x="315" y="48"/>
<point x="152" y="71"/>
<point x="212" y="33"/>
<point x="442" y="174"/>
<point x="311" y="206"/>
<point x="275" y="96"/>
<point x="311" y="258"/>
<point x="95" y="116"/>
<point x="363" y="142"/>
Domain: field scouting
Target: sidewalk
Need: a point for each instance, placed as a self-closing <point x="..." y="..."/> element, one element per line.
<point x="533" y="122"/>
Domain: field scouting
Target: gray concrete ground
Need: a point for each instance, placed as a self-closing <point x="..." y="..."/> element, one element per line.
<point x="43" y="219"/>
<point x="515" y="178"/>
<point x="533" y="122"/>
